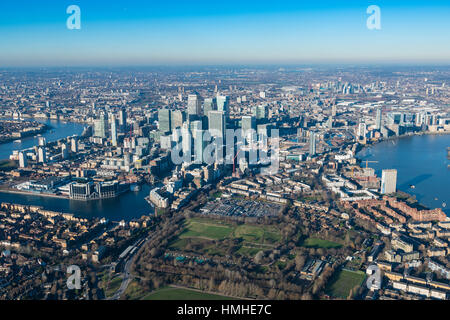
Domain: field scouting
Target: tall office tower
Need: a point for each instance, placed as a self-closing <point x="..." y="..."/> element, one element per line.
<point x="210" y="104"/>
<point x="42" y="155"/>
<point x="164" y="120"/>
<point x="74" y="145"/>
<point x="248" y="122"/>
<point x="378" y="120"/>
<point x="100" y="126"/>
<point x="64" y="151"/>
<point x="186" y="142"/>
<point x="194" y="104"/>
<point x="199" y="144"/>
<point x="223" y="105"/>
<point x="312" y="144"/>
<point x="334" y="110"/>
<point x="178" y="117"/>
<point x="23" y="161"/>
<point x="114" y="131"/>
<point x="123" y="120"/>
<point x="260" y="112"/>
<point x="216" y="124"/>
<point x="42" y="142"/>
<point x="389" y="181"/>
<point x="361" y="130"/>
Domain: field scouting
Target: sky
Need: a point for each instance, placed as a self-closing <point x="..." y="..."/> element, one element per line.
<point x="148" y="32"/>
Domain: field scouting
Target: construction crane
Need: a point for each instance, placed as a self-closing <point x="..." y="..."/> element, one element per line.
<point x="367" y="163"/>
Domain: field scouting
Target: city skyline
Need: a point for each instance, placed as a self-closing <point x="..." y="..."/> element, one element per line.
<point x="202" y="33"/>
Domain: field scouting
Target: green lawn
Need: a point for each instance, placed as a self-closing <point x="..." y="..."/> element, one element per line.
<point x="319" y="243"/>
<point x="205" y="229"/>
<point x="200" y="233"/>
<point x="182" y="294"/>
<point x="113" y="286"/>
<point x="344" y="281"/>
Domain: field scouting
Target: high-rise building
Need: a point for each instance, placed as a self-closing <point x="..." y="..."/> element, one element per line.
<point x="223" y="105"/>
<point x="42" y="155"/>
<point x="114" y="131"/>
<point x="199" y="144"/>
<point x="389" y="181"/>
<point x="260" y="112"/>
<point x="362" y="130"/>
<point x="164" y="120"/>
<point x="23" y="161"/>
<point x="100" y="127"/>
<point x="249" y="127"/>
<point x="210" y="104"/>
<point x="194" y="104"/>
<point x="42" y="142"/>
<point x="378" y="120"/>
<point x="216" y="123"/>
<point x="312" y="144"/>
<point x="64" y="151"/>
<point x="178" y="117"/>
<point x="74" y="145"/>
<point x="334" y="110"/>
<point x="123" y="120"/>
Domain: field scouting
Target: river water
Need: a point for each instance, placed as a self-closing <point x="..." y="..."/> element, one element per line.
<point x="127" y="206"/>
<point x="421" y="161"/>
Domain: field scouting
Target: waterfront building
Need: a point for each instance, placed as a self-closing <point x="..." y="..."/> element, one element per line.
<point x="100" y="126"/>
<point x="378" y="119"/>
<point x="23" y="161"/>
<point x="389" y="181"/>
<point x="42" y="155"/>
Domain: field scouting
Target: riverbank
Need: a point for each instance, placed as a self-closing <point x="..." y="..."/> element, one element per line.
<point x="420" y="160"/>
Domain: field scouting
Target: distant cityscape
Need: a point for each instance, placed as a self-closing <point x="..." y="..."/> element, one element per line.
<point x="257" y="189"/>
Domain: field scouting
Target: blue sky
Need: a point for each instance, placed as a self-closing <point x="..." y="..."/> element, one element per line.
<point x="34" y="33"/>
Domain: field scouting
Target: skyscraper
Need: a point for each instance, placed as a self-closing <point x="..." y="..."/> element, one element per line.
<point x="74" y="145"/>
<point x="223" y="105"/>
<point x="164" y="120"/>
<point x="123" y="120"/>
<point x="210" y="104"/>
<point x="216" y="123"/>
<point x="199" y="144"/>
<point x="389" y="181"/>
<point x="23" y="161"/>
<point x="100" y="126"/>
<point x="378" y="120"/>
<point x="260" y="112"/>
<point x="194" y="104"/>
<point x="177" y="118"/>
<point x="312" y="144"/>
<point x="64" y="151"/>
<point x="114" y="131"/>
<point x="42" y="155"/>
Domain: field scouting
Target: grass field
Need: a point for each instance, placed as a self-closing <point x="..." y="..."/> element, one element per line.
<point x="196" y="228"/>
<point x="319" y="243"/>
<point x="344" y="281"/>
<point x="200" y="233"/>
<point x="113" y="286"/>
<point x="182" y="294"/>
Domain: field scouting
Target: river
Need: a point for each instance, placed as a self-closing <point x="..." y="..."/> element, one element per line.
<point x="127" y="206"/>
<point x="421" y="161"/>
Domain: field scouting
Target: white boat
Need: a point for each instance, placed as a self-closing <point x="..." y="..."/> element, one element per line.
<point x="17" y="141"/>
